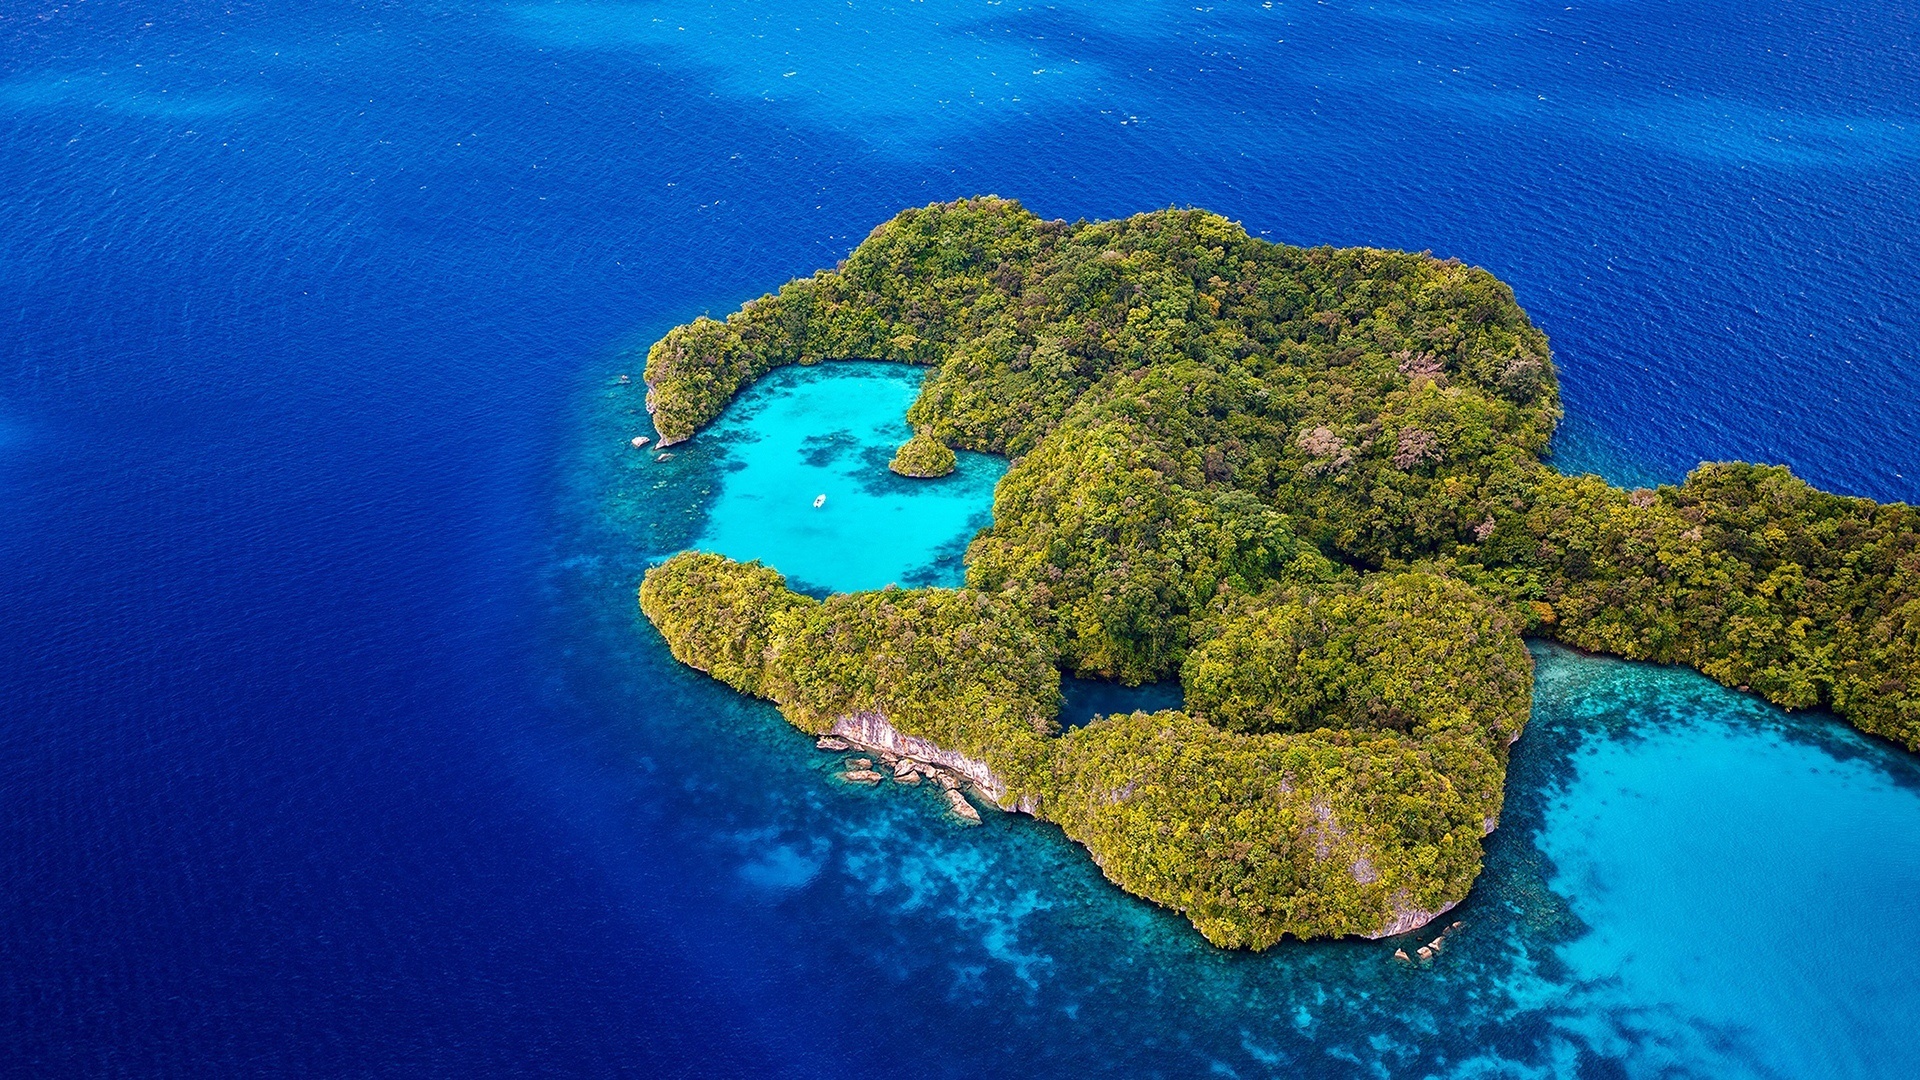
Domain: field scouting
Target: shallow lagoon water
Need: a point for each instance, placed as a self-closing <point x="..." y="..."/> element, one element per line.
<point x="829" y="430"/>
<point x="1740" y="873"/>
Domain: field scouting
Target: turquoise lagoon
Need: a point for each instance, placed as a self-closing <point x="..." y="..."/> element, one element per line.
<point x="1687" y="881"/>
<point x="1744" y="879"/>
<point x="827" y="432"/>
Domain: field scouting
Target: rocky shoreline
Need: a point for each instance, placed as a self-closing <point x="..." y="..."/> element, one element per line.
<point x="872" y="732"/>
<point x="905" y="771"/>
<point x="1407" y="918"/>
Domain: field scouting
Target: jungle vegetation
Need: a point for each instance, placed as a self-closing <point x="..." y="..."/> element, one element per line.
<point x="1307" y="482"/>
<point x="923" y="456"/>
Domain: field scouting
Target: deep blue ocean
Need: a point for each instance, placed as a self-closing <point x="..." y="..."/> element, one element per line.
<point x="332" y="744"/>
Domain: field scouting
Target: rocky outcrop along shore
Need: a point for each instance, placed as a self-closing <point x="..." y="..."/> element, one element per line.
<point x="872" y="731"/>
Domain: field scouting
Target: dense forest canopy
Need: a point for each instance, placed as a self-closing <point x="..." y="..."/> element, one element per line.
<point x="1307" y="482"/>
<point x="923" y="456"/>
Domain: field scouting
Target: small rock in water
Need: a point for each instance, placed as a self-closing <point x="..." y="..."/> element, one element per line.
<point x="860" y="776"/>
<point x="961" y="808"/>
<point x="664" y="457"/>
<point x="1401" y="955"/>
<point x="1426" y="953"/>
<point x="1436" y="943"/>
<point x="902" y="767"/>
<point x="640" y="441"/>
<point x="948" y="781"/>
<point x="861" y="763"/>
<point x="907" y="778"/>
<point x="832" y="742"/>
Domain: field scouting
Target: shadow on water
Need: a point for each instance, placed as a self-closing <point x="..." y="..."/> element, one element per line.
<point x="1086" y="700"/>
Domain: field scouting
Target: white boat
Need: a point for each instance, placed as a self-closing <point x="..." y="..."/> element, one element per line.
<point x="819" y="502"/>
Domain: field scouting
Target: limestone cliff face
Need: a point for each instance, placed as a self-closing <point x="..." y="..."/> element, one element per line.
<point x="1403" y="917"/>
<point x="1407" y="918"/>
<point x="653" y="406"/>
<point x="873" y="731"/>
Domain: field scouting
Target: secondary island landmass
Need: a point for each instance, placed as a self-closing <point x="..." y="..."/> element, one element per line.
<point x="1304" y="481"/>
<point x="923" y="456"/>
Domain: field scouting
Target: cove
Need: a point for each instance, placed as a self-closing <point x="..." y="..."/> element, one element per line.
<point x="829" y="429"/>
<point x="1083" y="701"/>
<point x="1745" y="876"/>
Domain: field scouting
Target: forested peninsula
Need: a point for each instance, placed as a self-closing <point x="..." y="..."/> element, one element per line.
<point x="1307" y="483"/>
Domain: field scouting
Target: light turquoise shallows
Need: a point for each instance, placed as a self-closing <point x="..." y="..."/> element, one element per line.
<point x="1747" y="879"/>
<point x="830" y="430"/>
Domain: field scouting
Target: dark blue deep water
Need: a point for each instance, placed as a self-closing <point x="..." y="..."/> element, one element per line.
<point x="331" y="742"/>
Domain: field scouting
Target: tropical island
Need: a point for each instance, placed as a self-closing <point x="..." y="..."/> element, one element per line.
<point x="1306" y="482"/>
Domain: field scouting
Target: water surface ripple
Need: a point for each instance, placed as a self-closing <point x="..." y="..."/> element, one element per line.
<point x="331" y="741"/>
